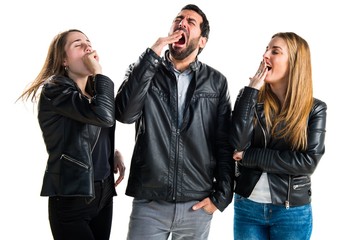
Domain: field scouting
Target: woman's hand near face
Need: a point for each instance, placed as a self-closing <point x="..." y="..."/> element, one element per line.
<point x="258" y="80"/>
<point x="91" y="61"/>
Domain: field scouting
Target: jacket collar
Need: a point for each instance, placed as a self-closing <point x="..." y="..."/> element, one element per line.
<point x="194" y="66"/>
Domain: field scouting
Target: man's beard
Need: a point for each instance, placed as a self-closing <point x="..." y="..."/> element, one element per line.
<point x="181" y="55"/>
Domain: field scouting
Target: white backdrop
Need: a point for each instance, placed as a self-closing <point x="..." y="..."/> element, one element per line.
<point x="120" y="31"/>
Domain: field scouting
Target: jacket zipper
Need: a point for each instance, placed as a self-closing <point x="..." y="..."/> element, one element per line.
<point x="296" y="186"/>
<point x="81" y="164"/>
<point x="177" y="140"/>
<point x="287" y="201"/>
<point x="176" y="164"/>
<point x="97" y="138"/>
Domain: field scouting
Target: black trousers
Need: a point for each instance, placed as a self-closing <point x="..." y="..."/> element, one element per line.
<point x="77" y="218"/>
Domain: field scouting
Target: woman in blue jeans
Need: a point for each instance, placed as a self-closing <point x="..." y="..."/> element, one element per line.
<point x="278" y="133"/>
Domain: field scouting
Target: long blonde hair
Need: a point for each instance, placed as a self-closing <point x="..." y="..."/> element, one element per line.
<point x="53" y="65"/>
<point x="289" y="121"/>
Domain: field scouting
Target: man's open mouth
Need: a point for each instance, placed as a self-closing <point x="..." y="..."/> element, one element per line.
<point x="182" y="39"/>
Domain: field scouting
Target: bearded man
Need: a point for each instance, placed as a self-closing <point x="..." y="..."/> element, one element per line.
<point x="182" y="169"/>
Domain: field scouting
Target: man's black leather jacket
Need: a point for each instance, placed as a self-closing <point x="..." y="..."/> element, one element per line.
<point x="289" y="172"/>
<point x="174" y="163"/>
<point x="71" y="124"/>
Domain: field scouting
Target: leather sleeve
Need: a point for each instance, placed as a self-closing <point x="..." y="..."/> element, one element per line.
<point x="242" y="118"/>
<point x="65" y="98"/>
<point x="224" y="174"/>
<point x="293" y="162"/>
<point x="132" y="93"/>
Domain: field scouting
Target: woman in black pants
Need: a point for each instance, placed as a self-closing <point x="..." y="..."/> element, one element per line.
<point x="76" y="117"/>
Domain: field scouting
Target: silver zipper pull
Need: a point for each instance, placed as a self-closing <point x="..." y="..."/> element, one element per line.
<point x="237" y="171"/>
<point x="287" y="204"/>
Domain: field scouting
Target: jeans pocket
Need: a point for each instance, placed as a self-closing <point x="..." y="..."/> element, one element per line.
<point x="238" y="198"/>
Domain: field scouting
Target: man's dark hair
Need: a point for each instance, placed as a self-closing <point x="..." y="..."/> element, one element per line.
<point x="204" y="26"/>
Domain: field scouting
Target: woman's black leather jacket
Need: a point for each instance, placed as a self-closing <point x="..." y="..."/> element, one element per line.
<point x="172" y="163"/>
<point x="71" y="123"/>
<point x="289" y="172"/>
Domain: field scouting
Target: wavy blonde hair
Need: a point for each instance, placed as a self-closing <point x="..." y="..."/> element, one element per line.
<point x="290" y="120"/>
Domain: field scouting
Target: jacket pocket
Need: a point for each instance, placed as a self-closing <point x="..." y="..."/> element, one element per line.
<point x="300" y="183"/>
<point x="75" y="178"/>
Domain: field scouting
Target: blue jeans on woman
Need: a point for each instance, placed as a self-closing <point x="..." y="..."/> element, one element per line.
<point x="264" y="221"/>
